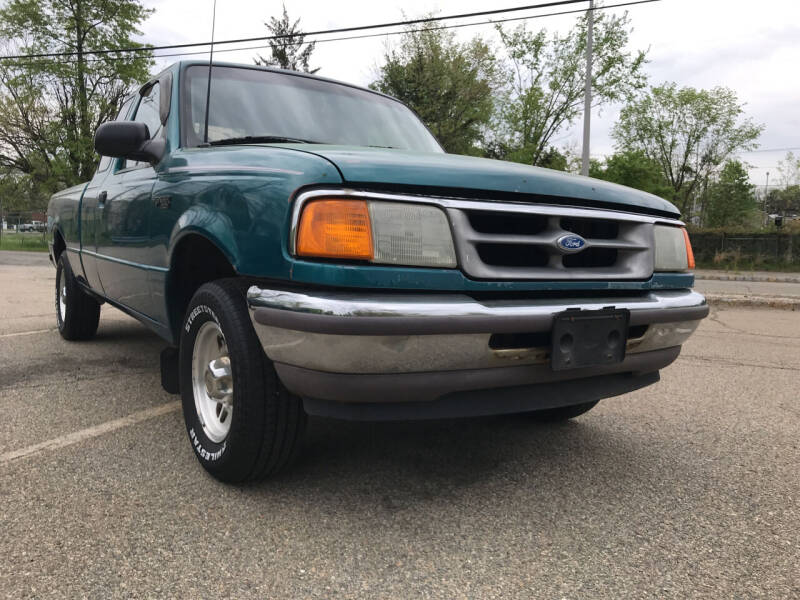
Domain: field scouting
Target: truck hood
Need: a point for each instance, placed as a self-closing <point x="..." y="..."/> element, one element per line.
<point x="375" y="167"/>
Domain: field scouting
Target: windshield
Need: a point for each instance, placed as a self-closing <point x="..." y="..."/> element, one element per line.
<point x="264" y="104"/>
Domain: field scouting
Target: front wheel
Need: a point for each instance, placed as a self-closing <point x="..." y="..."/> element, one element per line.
<point x="77" y="313"/>
<point x="242" y="423"/>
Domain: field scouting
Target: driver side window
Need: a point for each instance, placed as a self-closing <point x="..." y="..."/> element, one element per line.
<point x="148" y="112"/>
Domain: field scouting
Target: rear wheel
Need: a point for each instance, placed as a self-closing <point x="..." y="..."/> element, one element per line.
<point x="562" y="413"/>
<point x="242" y="423"/>
<point x="77" y="313"/>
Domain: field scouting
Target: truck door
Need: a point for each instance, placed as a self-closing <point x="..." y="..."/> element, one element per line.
<point x="124" y="251"/>
<point x="88" y="230"/>
<point x="90" y="213"/>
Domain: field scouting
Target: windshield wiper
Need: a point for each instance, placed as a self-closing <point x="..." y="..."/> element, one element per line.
<point x="260" y="139"/>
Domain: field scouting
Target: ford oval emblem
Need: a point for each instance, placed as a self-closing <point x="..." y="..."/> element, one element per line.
<point x="571" y="243"/>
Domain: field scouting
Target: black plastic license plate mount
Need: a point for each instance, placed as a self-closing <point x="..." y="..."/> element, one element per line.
<point x="589" y="338"/>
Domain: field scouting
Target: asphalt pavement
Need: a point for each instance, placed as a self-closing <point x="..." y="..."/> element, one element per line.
<point x="688" y="488"/>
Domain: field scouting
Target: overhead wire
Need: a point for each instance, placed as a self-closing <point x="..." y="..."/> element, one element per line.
<point x="337" y="39"/>
<point x="280" y="36"/>
<point x="789" y="149"/>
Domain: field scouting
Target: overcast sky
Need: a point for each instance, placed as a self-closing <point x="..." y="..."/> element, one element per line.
<point x="751" y="47"/>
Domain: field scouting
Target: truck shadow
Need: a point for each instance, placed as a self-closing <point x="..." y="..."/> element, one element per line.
<point x="404" y="465"/>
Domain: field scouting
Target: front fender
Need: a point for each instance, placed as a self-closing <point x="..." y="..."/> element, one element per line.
<point x="237" y="197"/>
<point x="214" y="225"/>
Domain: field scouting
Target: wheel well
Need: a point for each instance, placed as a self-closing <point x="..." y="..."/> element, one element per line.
<point x="195" y="261"/>
<point x="58" y="245"/>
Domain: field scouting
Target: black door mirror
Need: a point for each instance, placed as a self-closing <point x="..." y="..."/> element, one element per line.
<point x="128" y="139"/>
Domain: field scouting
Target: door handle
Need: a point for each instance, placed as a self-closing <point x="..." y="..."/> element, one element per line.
<point x="101" y="199"/>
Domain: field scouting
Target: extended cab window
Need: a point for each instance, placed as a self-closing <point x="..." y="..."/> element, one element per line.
<point x="148" y="112"/>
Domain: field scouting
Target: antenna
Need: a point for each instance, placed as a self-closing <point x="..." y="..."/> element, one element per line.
<point x="210" y="60"/>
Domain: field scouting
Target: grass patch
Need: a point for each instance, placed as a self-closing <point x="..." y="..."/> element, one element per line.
<point x="33" y="241"/>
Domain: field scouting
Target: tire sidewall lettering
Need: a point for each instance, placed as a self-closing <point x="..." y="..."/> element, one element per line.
<point x="60" y="274"/>
<point x="196" y="312"/>
<point x="202" y="452"/>
<point x="201" y="445"/>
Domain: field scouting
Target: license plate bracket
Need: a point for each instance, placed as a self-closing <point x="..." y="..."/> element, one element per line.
<point x="589" y="338"/>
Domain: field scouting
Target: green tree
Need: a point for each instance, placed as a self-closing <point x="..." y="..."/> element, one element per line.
<point x="689" y="132"/>
<point x="19" y="192"/>
<point x="449" y="84"/>
<point x="552" y="158"/>
<point x="731" y="199"/>
<point x="287" y="52"/>
<point x="789" y="170"/>
<point x="51" y="106"/>
<point x="634" y="169"/>
<point x="785" y="201"/>
<point x="545" y="81"/>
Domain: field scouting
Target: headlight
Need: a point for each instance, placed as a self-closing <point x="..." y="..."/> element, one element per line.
<point x="396" y="233"/>
<point x="673" y="249"/>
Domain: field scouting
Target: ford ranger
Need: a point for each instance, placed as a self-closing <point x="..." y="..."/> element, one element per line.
<point x="306" y="247"/>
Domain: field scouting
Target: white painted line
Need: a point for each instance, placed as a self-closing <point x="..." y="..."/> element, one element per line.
<point x="90" y="432"/>
<point x="8" y="335"/>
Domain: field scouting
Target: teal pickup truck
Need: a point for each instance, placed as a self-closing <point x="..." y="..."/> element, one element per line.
<point x="306" y="247"/>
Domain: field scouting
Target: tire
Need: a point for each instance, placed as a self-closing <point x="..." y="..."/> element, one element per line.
<point x="562" y="413"/>
<point x="77" y="313"/>
<point x="243" y="424"/>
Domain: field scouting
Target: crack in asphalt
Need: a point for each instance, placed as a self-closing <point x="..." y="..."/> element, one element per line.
<point x="711" y="334"/>
<point x="734" y="363"/>
<point x="714" y="316"/>
<point x="77" y="378"/>
<point x="20" y="375"/>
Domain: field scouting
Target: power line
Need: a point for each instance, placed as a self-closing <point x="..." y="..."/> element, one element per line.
<point x="789" y="149"/>
<point x="320" y="32"/>
<point x="374" y="35"/>
<point x="402" y="31"/>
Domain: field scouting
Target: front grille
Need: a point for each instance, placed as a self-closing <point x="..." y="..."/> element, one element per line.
<point x="511" y="255"/>
<point x="513" y="241"/>
<point x="591" y="258"/>
<point x="484" y="221"/>
<point x="600" y="229"/>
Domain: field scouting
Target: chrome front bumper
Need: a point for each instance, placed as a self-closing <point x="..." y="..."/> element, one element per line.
<point x="346" y="346"/>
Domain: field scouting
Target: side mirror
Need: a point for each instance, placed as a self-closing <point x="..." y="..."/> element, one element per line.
<point x="128" y="139"/>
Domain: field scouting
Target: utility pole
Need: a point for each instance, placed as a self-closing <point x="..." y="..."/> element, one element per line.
<point x="587" y="101"/>
<point x="766" y="193"/>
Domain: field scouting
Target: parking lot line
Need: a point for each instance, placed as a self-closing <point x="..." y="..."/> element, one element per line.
<point x="20" y="333"/>
<point x="90" y="432"/>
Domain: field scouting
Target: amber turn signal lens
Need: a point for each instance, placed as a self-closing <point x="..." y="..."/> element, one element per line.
<point x="689" y="251"/>
<point x="335" y="229"/>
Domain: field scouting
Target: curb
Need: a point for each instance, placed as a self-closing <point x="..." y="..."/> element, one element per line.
<point x="728" y="301"/>
<point x="776" y="279"/>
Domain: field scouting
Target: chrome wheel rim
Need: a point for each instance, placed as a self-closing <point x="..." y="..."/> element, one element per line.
<point x="62" y="298"/>
<point x="212" y="382"/>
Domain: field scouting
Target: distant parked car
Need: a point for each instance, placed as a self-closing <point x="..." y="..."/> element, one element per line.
<point x="32" y="226"/>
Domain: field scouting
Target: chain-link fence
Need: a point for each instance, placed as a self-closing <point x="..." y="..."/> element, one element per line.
<point x="23" y="230"/>
<point x="747" y="251"/>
